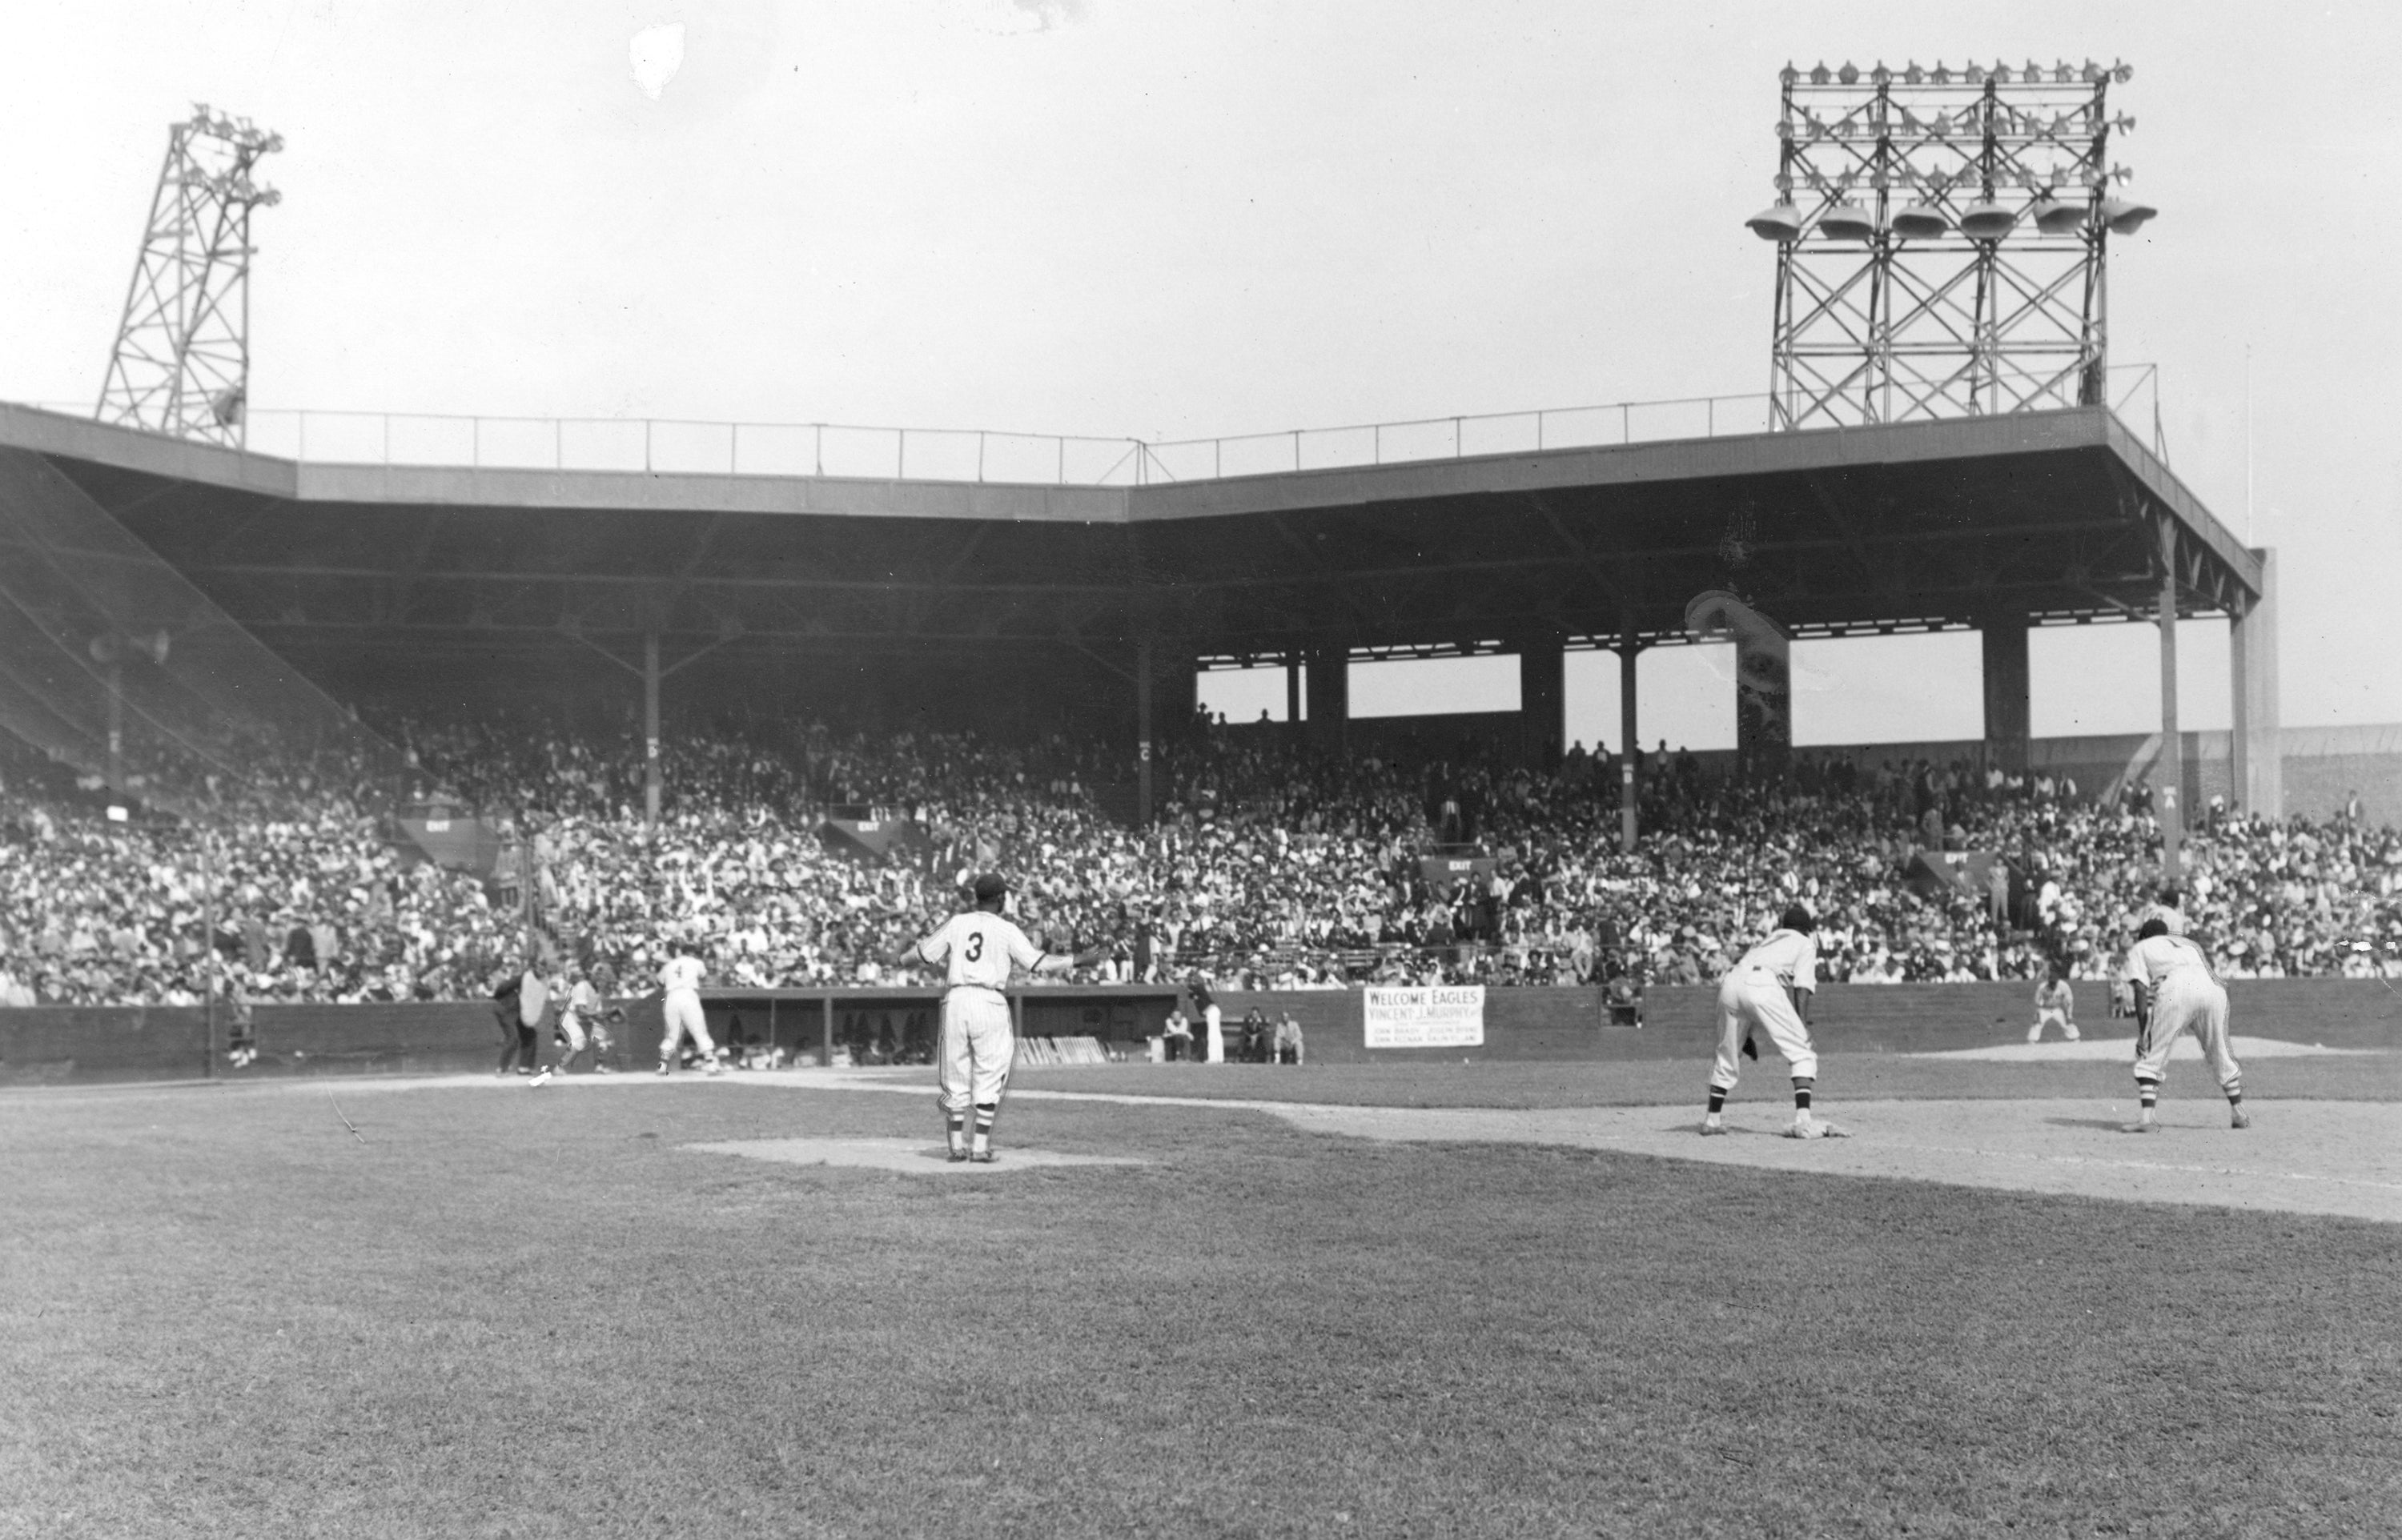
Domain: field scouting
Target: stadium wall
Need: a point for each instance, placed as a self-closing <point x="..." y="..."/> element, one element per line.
<point x="1680" y="1020"/>
<point x="65" y="1045"/>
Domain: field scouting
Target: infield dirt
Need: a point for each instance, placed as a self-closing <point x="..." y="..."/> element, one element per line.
<point x="2300" y="1157"/>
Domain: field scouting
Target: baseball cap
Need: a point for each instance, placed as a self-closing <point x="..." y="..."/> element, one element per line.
<point x="989" y="885"/>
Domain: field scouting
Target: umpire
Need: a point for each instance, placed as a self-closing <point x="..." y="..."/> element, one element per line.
<point x="510" y="1008"/>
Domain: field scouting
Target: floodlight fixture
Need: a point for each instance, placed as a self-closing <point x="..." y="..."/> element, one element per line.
<point x="1988" y="220"/>
<point x="1920" y="222"/>
<point x="1847" y="222"/>
<point x="2124" y="217"/>
<point x="1963" y="220"/>
<point x="182" y="361"/>
<point x="1778" y="222"/>
<point x="2058" y="216"/>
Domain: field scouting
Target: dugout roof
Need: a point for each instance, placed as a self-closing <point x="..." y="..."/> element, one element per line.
<point x="2061" y="516"/>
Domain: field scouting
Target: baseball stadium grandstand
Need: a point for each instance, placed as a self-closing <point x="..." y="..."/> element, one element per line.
<point x="778" y="713"/>
<point x="1451" y="1124"/>
<point x="316" y="707"/>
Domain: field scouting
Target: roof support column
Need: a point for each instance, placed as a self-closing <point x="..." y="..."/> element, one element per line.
<point x="1330" y="697"/>
<point x="1292" y="692"/>
<point x="2006" y="731"/>
<point x="1542" y="699"/>
<point x="1629" y="747"/>
<point x="2259" y="778"/>
<point x="1143" y="733"/>
<point x="2168" y="771"/>
<point x="651" y="728"/>
<point x="1175" y="690"/>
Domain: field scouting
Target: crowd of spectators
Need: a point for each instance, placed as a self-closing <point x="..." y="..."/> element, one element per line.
<point x="1268" y="865"/>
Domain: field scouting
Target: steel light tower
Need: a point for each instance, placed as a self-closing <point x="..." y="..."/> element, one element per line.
<point x="1940" y="241"/>
<point x="182" y="364"/>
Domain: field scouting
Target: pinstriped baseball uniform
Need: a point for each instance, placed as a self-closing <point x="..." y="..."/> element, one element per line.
<point x="2186" y="997"/>
<point x="1752" y="994"/>
<point x="976" y="951"/>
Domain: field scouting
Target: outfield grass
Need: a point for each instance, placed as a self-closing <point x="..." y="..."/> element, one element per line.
<point x="510" y="1313"/>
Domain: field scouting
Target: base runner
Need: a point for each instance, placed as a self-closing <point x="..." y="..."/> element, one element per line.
<point x="976" y="950"/>
<point x="1770" y="989"/>
<point x="2176" y="993"/>
<point x="681" y="976"/>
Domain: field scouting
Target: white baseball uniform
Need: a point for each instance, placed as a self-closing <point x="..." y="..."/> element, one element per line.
<point x="682" y="978"/>
<point x="582" y="1008"/>
<point x="569" y="1030"/>
<point x="1752" y="994"/>
<point x="2053" y="1001"/>
<point x="2186" y="997"/>
<point x="976" y="951"/>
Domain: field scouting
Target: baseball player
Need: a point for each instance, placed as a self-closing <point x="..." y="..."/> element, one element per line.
<point x="682" y="975"/>
<point x="1213" y="1023"/>
<point x="2176" y="993"/>
<point x="578" y="1006"/>
<point x="1770" y="989"/>
<point x="2055" y="1005"/>
<point x="976" y="950"/>
<point x="519" y="1005"/>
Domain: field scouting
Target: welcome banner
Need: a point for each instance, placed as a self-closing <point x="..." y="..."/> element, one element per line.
<point x="1444" y="1016"/>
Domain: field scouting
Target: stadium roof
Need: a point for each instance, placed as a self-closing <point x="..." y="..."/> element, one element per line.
<point x="2056" y="515"/>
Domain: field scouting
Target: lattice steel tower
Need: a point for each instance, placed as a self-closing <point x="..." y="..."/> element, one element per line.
<point x="182" y="364"/>
<point x="1940" y="241"/>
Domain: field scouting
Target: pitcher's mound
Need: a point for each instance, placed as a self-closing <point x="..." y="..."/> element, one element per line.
<point x="910" y="1155"/>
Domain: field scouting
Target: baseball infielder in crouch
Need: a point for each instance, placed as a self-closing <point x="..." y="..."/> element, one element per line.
<point x="1770" y="989"/>
<point x="2176" y="993"/>
<point x="976" y="950"/>
<point x="682" y="974"/>
<point x="2055" y="1005"/>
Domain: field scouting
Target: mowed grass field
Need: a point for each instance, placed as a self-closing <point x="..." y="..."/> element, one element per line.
<point x="499" y="1313"/>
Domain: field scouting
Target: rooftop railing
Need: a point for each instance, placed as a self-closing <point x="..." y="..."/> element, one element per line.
<point x="678" y="445"/>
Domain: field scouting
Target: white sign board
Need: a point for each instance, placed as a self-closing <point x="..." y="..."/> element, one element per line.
<point x="1446" y="1016"/>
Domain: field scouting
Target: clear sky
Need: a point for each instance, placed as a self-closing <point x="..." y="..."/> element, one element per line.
<point x="1170" y="218"/>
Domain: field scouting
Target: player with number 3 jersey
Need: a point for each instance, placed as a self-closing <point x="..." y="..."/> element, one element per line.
<point x="976" y="950"/>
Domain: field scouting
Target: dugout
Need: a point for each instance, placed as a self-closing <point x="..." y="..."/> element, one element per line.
<point x="905" y="1020"/>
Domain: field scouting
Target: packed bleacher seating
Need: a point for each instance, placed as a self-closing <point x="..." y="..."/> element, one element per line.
<point x="1268" y="865"/>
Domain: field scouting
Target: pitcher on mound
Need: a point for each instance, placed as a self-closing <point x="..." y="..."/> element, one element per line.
<point x="1770" y="989"/>
<point x="976" y="950"/>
